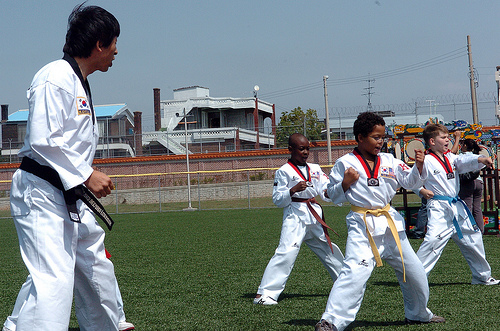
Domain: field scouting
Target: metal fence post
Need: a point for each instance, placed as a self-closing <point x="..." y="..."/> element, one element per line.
<point x="159" y="191"/>
<point x="248" y="188"/>
<point x="116" y="194"/>
<point x="199" y="194"/>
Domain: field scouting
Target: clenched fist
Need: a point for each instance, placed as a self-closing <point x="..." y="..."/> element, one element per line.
<point x="99" y="183"/>
<point x="351" y="176"/>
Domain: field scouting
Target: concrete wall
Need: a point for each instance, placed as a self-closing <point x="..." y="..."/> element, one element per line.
<point x="206" y="192"/>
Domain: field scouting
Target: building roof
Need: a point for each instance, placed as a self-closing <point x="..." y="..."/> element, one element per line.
<point x="101" y="111"/>
<point x="19" y="116"/>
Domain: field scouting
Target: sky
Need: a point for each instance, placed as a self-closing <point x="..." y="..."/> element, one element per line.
<point x="410" y="51"/>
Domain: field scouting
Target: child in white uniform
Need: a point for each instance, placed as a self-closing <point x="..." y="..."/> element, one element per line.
<point x="368" y="180"/>
<point x="295" y="185"/>
<point x="448" y="216"/>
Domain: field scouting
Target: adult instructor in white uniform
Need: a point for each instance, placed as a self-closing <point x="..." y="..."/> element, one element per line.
<point x="61" y="242"/>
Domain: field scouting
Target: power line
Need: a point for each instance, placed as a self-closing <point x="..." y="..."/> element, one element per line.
<point x="447" y="57"/>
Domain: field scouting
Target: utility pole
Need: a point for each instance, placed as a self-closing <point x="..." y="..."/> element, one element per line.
<point x="327" y="118"/>
<point x="473" y="84"/>
<point x="497" y="78"/>
<point x="369" y="93"/>
<point x="416" y="116"/>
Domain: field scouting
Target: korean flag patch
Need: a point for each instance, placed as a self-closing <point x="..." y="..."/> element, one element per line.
<point x="82" y="106"/>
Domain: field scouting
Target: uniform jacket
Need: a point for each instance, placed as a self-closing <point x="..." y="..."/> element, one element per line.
<point x="391" y="174"/>
<point x="287" y="177"/>
<point x="60" y="131"/>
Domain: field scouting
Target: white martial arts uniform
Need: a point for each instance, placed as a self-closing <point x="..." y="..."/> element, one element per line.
<point x="441" y="213"/>
<point x="11" y="322"/>
<point x="299" y="225"/>
<point x="61" y="255"/>
<point x="347" y="292"/>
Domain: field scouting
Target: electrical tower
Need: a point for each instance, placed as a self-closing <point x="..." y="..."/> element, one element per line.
<point x="369" y="93"/>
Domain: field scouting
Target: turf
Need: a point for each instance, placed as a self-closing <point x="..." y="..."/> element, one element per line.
<point x="200" y="270"/>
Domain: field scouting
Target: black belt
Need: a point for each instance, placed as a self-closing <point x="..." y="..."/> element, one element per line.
<point x="71" y="196"/>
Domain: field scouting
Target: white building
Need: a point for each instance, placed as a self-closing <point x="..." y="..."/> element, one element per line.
<point x="213" y="124"/>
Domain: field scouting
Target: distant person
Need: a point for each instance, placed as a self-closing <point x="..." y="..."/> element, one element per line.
<point x="418" y="232"/>
<point x="368" y="180"/>
<point x="448" y="215"/>
<point x="296" y="184"/>
<point x="471" y="186"/>
<point x="61" y="243"/>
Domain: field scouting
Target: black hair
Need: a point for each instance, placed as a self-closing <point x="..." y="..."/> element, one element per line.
<point x="293" y="137"/>
<point x="88" y="25"/>
<point x="471" y="146"/>
<point x="365" y="123"/>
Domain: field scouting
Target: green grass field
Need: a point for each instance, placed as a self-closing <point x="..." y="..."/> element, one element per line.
<point x="200" y="270"/>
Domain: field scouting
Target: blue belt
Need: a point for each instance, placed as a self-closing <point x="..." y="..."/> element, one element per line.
<point x="455" y="222"/>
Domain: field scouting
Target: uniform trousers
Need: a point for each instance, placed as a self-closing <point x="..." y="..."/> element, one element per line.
<point x="61" y="256"/>
<point x="348" y="290"/>
<point x="22" y="297"/>
<point x="439" y="231"/>
<point x="293" y="234"/>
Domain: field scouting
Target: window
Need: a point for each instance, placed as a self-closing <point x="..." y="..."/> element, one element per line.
<point x="21" y="132"/>
<point x="214" y="120"/>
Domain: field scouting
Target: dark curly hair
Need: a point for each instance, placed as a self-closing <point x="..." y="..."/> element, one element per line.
<point x="365" y="123"/>
<point x="88" y="25"/>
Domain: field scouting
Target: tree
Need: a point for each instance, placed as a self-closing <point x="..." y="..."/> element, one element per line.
<point x="299" y="121"/>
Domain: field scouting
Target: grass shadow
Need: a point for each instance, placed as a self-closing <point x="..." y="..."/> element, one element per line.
<point x="301" y="322"/>
<point x="396" y="284"/>
<point x="287" y="295"/>
<point x="364" y="323"/>
<point x="390" y="284"/>
<point x="448" y="284"/>
<point x="352" y="326"/>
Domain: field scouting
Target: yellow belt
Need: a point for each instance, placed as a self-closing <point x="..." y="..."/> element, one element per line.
<point x="392" y="226"/>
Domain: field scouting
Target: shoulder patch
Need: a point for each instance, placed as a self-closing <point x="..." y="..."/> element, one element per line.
<point x="82" y="106"/>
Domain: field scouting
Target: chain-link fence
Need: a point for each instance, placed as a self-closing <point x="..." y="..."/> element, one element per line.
<point x="200" y="190"/>
<point x="162" y="183"/>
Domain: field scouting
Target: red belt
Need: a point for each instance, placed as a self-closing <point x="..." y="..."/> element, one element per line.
<point x="321" y="220"/>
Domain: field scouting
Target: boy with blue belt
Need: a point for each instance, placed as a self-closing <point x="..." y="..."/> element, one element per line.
<point x="448" y="215"/>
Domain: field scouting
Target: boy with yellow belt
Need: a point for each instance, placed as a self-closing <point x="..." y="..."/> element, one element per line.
<point x="368" y="180"/>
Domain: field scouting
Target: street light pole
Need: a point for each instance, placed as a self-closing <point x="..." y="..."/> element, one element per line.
<point x="269" y="130"/>
<point x="187" y="163"/>
<point x="328" y="139"/>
